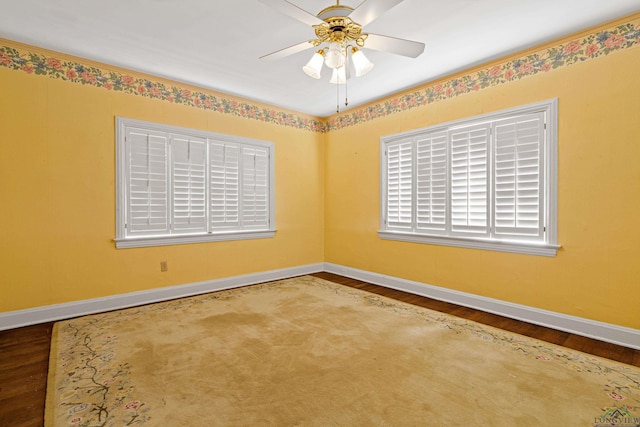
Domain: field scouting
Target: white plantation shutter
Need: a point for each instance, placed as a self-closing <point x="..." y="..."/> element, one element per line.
<point x="188" y="155"/>
<point x="178" y="185"/>
<point x="255" y="191"/>
<point x="224" y="185"/>
<point x="431" y="182"/>
<point x="399" y="175"/>
<point x="487" y="182"/>
<point x="519" y="186"/>
<point x="470" y="180"/>
<point x="147" y="172"/>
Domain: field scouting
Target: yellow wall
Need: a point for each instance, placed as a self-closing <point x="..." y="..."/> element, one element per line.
<point x="57" y="190"/>
<point x="595" y="275"/>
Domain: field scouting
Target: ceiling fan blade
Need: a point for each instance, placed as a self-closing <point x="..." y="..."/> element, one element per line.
<point x="393" y="45"/>
<point x="287" y="51"/>
<point x="369" y="10"/>
<point x="283" y="6"/>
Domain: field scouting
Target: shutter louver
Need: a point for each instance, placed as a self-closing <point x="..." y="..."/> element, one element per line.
<point x="399" y="185"/>
<point x="519" y="176"/>
<point x="188" y="156"/>
<point x="470" y="180"/>
<point x="147" y="166"/>
<point x="224" y="181"/>
<point x="255" y="189"/>
<point x="431" y="182"/>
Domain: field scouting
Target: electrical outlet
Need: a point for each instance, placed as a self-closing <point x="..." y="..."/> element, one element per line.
<point x="163" y="266"/>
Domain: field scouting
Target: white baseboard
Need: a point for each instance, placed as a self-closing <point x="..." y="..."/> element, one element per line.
<point x="619" y="335"/>
<point x="32" y="316"/>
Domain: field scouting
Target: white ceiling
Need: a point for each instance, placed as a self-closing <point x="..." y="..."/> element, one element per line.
<point x="216" y="44"/>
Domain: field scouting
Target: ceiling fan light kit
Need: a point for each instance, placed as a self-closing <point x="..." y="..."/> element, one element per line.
<point x="361" y="63"/>
<point x="335" y="56"/>
<point x="339" y="76"/>
<point x="314" y="66"/>
<point x="339" y="37"/>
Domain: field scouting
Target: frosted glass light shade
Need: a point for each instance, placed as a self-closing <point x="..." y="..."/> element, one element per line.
<point x="361" y="63"/>
<point x="335" y="56"/>
<point x="314" y="66"/>
<point x="339" y="76"/>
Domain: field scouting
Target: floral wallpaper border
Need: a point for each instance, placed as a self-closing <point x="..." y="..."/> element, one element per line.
<point x="600" y="43"/>
<point x="54" y="66"/>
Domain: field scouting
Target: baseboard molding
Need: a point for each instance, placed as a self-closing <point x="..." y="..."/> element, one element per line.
<point x="19" y="318"/>
<point x="614" y="334"/>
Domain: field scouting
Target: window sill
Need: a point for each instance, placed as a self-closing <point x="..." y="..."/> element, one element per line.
<point x="528" y="248"/>
<point x="139" y="242"/>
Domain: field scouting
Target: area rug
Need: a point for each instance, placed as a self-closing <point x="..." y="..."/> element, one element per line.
<point x="308" y="352"/>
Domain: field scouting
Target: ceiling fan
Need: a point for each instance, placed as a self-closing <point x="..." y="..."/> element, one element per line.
<point x="339" y="35"/>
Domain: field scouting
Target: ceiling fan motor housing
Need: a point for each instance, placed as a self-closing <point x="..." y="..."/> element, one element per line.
<point x="338" y="27"/>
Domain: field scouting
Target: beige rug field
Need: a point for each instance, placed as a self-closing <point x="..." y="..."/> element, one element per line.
<point x="307" y="352"/>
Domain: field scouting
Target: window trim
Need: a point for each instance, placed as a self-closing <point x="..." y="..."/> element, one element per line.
<point x="548" y="247"/>
<point x="122" y="241"/>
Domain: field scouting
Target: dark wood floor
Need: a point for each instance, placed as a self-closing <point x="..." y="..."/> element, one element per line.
<point x="24" y="359"/>
<point x="24" y="352"/>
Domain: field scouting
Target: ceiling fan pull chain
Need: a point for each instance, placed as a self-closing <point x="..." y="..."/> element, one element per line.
<point x="337" y="98"/>
<point x="346" y="93"/>
<point x="346" y="75"/>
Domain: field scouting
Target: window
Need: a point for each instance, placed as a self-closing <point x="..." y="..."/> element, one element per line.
<point x="488" y="182"/>
<point x="178" y="185"/>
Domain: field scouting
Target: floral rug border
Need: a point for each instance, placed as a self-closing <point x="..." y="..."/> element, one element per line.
<point x="597" y="44"/>
<point x="95" y="388"/>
